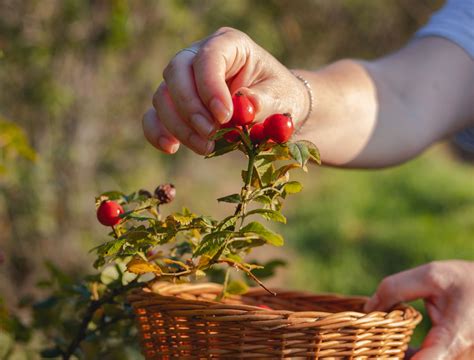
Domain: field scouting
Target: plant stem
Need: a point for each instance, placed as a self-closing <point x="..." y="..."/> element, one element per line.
<point x="93" y="306"/>
<point x="242" y="207"/>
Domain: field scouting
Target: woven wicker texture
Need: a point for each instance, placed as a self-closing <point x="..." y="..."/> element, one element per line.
<point x="185" y="322"/>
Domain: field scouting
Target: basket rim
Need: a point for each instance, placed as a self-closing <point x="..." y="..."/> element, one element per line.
<point x="173" y="292"/>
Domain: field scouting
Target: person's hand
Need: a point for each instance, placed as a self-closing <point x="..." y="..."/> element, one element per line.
<point x="448" y="290"/>
<point x="196" y="95"/>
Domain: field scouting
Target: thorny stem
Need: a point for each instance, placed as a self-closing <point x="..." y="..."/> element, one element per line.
<point x="241" y="208"/>
<point x="115" y="232"/>
<point x="93" y="306"/>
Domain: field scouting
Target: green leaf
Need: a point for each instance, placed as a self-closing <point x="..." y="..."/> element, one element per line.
<point x="282" y="171"/>
<point x="234" y="257"/>
<point x="277" y="152"/>
<point x="228" y="222"/>
<point x="236" y="287"/>
<point x="212" y="243"/>
<point x="234" y="199"/>
<point x="313" y="150"/>
<point x="269" y="236"/>
<point x="269" y="214"/>
<point x="299" y="151"/>
<point x="135" y="235"/>
<point x="263" y="199"/>
<point x="264" y="169"/>
<point x="222" y="147"/>
<point x="113" y="195"/>
<point x="292" y="187"/>
<point x="220" y="133"/>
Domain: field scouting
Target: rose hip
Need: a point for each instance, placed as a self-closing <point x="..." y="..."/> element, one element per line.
<point x="244" y="111"/>
<point x="109" y="213"/>
<point x="257" y="133"/>
<point x="278" y="127"/>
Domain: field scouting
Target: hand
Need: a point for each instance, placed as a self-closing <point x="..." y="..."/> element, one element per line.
<point x="448" y="290"/>
<point x="196" y="95"/>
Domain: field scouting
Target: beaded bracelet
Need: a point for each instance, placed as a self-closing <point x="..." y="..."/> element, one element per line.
<point x="311" y="100"/>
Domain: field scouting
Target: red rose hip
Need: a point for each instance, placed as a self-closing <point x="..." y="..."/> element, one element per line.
<point x="244" y="111"/>
<point x="109" y="213"/>
<point x="257" y="133"/>
<point x="231" y="136"/>
<point x="278" y="127"/>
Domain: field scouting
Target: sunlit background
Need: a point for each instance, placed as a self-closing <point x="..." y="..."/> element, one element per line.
<point x="77" y="75"/>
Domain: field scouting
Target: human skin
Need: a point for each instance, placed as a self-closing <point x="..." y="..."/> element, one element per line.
<point x="367" y="114"/>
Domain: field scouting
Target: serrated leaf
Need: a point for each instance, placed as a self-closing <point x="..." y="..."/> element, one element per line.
<point x="135" y="235"/>
<point x="212" y="243"/>
<point x="276" y="152"/>
<point x="299" y="152"/>
<point x="222" y="147"/>
<point x="261" y="231"/>
<point x="140" y="266"/>
<point x="234" y="199"/>
<point x="264" y="169"/>
<point x="263" y="199"/>
<point x="228" y="222"/>
<point x="269" y="215"/>
<point x="292" y="187"/>
<point x="282" y="171"/>
<point x="236" y="287"/>
<point x="313" y="150"/>
<point x="181" y="219"/>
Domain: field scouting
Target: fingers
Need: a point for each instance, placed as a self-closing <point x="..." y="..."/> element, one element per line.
<point x="156" y="133"/>
<point x="179" y="78"/>
<point x="220" y="58"/>
<point x="405" y="286"/>
<point x="171" y="120"/>
<point x="436" y="345"/>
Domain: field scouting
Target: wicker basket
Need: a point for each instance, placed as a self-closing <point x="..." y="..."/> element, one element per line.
<point x="185" y="322"/>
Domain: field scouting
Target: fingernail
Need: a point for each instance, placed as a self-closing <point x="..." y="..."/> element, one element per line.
<point x="199" y="143"/>
<point x="167" y="145"/>
<point x="201" y="124"/>
<point x="220" y="112"/>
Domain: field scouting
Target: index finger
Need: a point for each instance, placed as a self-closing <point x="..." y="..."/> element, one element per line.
<point x="219" y="58"/>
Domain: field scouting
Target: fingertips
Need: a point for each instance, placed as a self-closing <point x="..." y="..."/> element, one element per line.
<point x="179" y="80"/>
<point x="176" y="126"/>
<point x="157" y="134"/>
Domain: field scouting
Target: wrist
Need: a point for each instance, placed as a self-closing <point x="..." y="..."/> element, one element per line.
<point x="306" y="101"/>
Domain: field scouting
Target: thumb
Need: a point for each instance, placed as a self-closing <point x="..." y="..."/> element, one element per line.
<point x="436" y="345"/>
<point x="267" y="100"/>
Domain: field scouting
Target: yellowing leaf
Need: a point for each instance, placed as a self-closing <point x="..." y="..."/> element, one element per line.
<point x="140" y="266"/>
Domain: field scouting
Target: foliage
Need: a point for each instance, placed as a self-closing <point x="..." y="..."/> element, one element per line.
<point x="147" y="245"/>
<point x="13" y="145"/>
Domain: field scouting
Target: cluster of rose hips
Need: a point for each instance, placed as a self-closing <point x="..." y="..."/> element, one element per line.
<point x="277" y="127"/>
<point x="109" y="212"/>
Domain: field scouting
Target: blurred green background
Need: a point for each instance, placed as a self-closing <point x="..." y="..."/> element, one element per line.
<point x="77" y="76"/>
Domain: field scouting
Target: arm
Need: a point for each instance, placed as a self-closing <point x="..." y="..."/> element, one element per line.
<point x="366" y="114"/>
<point x="389" y="110"/>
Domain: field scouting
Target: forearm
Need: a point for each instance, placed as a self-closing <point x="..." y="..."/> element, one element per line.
<point x="380" y="113"/>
